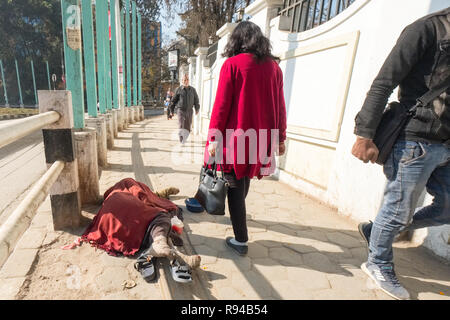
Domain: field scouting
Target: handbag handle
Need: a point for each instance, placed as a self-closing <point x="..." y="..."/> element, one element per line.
<point x="214" y="169"/>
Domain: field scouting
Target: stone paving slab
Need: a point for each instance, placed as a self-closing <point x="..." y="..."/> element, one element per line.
<point x="298" y="248"/>
<point x="10" y="287"/>
<point x="19" y="264"/>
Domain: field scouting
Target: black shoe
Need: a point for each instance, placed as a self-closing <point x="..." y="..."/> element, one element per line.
<point x="365" y="228"/>
<point x="240" y="250"/>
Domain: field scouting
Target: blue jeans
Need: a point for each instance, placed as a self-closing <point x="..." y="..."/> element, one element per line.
<point x="411" y="167"/>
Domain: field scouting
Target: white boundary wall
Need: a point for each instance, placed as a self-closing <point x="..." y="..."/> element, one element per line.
<point x="327" y="73"/>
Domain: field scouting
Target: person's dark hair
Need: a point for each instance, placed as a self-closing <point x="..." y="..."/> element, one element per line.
<point x="247" y="37"/>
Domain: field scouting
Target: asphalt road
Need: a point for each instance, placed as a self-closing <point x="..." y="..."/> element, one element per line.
<point x="22" y="163"/>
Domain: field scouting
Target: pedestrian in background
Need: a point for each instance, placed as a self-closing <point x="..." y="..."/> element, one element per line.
<point x="184" y="100"/>
<point x="249" y="99"/>
<point x="418" y="63"/>
<point x="167" y="101"/>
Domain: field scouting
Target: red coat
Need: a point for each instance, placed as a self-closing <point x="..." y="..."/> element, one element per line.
<point x="249" y="97"/>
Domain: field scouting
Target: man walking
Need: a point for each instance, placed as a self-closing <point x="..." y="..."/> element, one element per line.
<point x="418" y="63"/>
<point x="184" y="100"/>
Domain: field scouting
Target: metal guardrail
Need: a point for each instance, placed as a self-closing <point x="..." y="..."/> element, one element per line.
<point x="11" y="230"/>
<point x="17" y="129"/>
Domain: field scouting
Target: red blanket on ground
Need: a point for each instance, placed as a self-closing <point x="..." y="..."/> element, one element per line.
<point x="122" y="221"/>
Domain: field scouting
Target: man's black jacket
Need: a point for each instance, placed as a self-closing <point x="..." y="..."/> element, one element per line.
<point x="419" y="61"/>
<point x="184" y="99"/>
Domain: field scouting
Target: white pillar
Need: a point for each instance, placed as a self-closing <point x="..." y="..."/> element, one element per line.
<point x="191" y="72"/>
<point x="224" y="34"/>
<point x="86" y="151"/>
<point x="192" y="62"/>
<point x="262" y="11"/>
<point x="201" y="56"/>
<point x="99" y="124"/>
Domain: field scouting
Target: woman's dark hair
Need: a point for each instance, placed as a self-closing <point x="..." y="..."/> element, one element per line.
<point x="248" y="38"/>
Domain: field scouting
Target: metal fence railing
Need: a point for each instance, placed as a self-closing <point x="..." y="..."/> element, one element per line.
<point x="211" y="56"/>
<point x="307" y="14"/>
<point x="13" y="227"/>
<point x="17" y="129"/>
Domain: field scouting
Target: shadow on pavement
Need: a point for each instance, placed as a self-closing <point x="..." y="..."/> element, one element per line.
<point x="293" y="254"/>
<point x="162" y="170"/>
<point x="330" y="251"/>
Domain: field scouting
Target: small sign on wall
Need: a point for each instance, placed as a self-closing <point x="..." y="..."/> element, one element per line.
<point x="73" y="38"/>
<point x="173" y="60"/>
<point x="73" y="27"/>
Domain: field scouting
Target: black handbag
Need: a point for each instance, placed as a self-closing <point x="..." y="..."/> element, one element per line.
<point x="394" y="119"/>
<point x="212" y="191"/>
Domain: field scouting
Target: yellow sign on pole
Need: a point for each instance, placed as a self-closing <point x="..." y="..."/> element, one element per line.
<point x="74" y="38"/>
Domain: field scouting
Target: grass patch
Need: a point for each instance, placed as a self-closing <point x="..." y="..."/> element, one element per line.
<point x="18" y="111"/>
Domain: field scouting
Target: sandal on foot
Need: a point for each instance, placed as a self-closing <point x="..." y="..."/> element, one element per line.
<point x="180" y="273"/>
<point x="146" y="267"/>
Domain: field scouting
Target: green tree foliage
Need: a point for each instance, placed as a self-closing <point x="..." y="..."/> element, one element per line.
<point x="149" y="9"/>
<point x="202" y="18"/>
<point x="152" y="73"/>
<point x="30" y="29"/>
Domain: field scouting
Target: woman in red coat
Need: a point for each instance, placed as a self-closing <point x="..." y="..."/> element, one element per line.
<point x="248" y="120"/>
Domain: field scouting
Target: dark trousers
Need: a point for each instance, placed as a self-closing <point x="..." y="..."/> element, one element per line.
<point x="237" y="192"/>
<point x="160" y="226"/>
<point x="184" y="123"/>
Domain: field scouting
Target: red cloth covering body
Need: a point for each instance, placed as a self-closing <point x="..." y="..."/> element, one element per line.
<point x="122" y="221"/>
<point x="249" y="96"/>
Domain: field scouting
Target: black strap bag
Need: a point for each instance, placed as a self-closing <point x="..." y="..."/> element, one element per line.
<point x="394" y="119"/>
<point x="212" y="191"/>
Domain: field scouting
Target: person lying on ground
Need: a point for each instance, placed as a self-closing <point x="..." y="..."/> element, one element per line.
<point x="132" y="218"/>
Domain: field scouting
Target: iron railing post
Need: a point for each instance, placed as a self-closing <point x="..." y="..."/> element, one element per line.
<point x="4" y="84"/>
<point x="71" y="22"/>
<point x="89" y="58"/>
<point x="18" y="84"/>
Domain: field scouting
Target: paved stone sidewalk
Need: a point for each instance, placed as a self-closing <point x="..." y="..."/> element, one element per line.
<point x="298" y="248"/>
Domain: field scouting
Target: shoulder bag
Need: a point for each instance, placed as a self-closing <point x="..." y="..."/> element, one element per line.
<point x="395" y="118"/>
